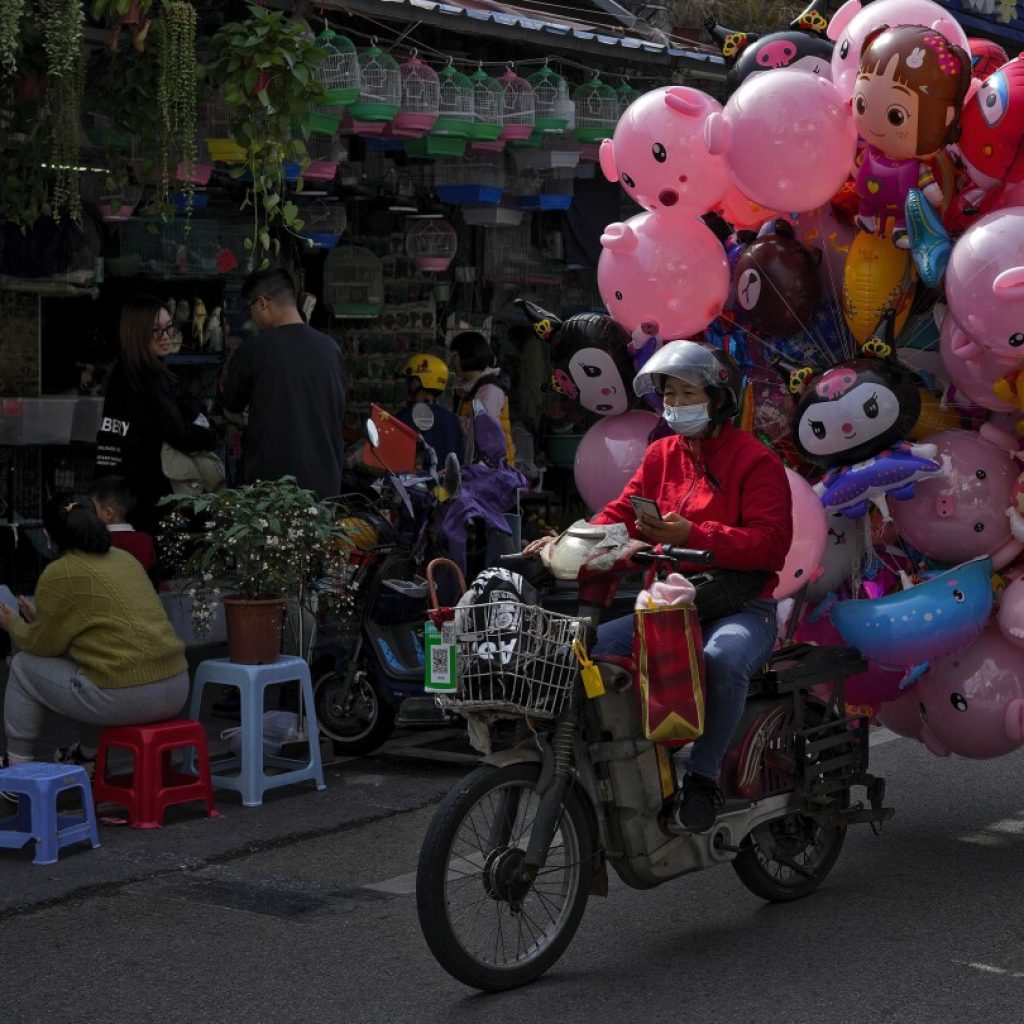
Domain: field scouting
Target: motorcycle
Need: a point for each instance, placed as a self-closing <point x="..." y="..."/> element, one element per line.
<point x="515" y="850"/>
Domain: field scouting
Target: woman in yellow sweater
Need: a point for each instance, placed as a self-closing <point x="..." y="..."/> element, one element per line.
<point x="95" y="646"/>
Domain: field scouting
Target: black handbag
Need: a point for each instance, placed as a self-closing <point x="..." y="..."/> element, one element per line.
<point x="722" y="592"/>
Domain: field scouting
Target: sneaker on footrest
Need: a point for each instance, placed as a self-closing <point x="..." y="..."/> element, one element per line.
<point x="74" y="755"/>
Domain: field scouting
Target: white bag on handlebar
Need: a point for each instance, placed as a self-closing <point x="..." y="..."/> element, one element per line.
<point x="675" y="589"/>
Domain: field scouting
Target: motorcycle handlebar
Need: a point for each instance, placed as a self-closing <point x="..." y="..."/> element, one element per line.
<point x="668" y="553"/>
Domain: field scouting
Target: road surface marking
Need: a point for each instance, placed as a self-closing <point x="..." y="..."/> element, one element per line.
<point x="996" y="833"/>
<point x="882" y="735"/>
<point x="400" y="885"/>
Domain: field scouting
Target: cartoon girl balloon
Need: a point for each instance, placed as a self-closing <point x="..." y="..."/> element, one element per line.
<point x="907" y="100"/>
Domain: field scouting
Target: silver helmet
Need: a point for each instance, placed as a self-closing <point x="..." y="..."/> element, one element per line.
<point x="703" y="365"/>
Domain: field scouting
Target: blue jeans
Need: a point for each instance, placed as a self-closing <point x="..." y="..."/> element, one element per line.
<point x="734" y="649"/>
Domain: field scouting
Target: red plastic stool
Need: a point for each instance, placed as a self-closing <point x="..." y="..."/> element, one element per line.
<point x="154" y="785"/>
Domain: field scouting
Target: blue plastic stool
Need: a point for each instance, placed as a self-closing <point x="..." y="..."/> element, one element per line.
<point x="38" y="785"/>
<point x="252" y="681"/>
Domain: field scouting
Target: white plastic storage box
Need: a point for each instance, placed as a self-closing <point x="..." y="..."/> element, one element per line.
<point x="47" y="420"/>
<point x="86" y="421"/>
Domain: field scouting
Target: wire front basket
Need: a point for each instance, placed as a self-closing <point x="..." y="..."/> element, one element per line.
<point x="514" y="659"/>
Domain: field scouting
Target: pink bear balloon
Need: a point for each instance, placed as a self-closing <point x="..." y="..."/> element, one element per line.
<point x="985" y="288"/>
<point x="663" y="276"/>
<point x="609" y="454"/>
<point x="973" y="703"/>
<point x="960" y="514"/>
<point x="854" y="21"/>
<point x="973" y="378"/>
<point x="803" y="563"/>
<point x="1010" y="616"/>
<point x="791" y="139"/>
<point x="665" y="153"/>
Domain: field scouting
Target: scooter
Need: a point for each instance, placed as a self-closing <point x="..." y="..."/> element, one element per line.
<point x="516" y="848"/>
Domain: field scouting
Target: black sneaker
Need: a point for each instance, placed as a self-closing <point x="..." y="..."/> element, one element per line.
<point x="700" y="801"/>
<point x="74" y="755"/>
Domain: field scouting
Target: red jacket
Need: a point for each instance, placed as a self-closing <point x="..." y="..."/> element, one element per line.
<point x="735" y="494"/>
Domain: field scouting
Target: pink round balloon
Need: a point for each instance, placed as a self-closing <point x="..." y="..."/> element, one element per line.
<point x="960" y="513"/>
<point x="609" y="454"/>
<point x="973" y="703"/>
<point x="663" y="156"/>
<point x="791" y="140"/>
<point x="803" y="562"/>
<point x="985" y="288"/>
<point x="852" y="24"/>
<point x="663" y="276"/>
<point x="822" y="229"/>
<point x="742" y="212"/>
<point x="1010" y="616"/>
<point x="974" y="379"/>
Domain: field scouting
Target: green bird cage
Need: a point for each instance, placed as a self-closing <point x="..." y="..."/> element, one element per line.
<point x="455" y="107"/>
<point x="339" y="70"/>
<point x="597" y="111"/>
<point x="627" y="96"/>
<point x="488" y="107"/>
<point x="550" y="94"/>
<point x="380" y="87"/>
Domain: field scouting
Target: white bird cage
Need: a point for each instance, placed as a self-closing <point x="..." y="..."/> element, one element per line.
<point x="421" y="99"/>
<point x="324" y="222"/>
<point x="478" y="178"/>
<point x="518" y="107"/>
<point x="488" y="107"/>
<point x="597" y="111"/>
<point x="380" y="89"/>
<point x="455" y="109"/>
<point x="551" y="96"/>
<point x="215" y="120"/>
<point x="339" y="70"/>
<point x="431" y="244"/>
<point x="325" y="153"/>
<point x="353" y="282"/>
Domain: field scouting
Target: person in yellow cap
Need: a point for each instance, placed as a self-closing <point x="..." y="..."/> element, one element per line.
<point x="426" y="379"/>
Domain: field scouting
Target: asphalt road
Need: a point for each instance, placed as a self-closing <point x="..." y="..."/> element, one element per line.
<point x="312" y="919"/>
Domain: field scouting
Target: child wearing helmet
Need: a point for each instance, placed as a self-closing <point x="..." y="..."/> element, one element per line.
<point x="426" y="378"/>
<point x="718" y="489"/>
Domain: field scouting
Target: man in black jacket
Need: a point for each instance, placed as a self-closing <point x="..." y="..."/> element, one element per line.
<point x="286" y="386"/>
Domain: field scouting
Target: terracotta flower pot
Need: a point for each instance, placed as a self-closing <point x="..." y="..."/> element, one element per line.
<point x="254" y="628"/>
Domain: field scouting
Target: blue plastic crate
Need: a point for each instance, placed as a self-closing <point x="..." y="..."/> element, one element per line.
<point x="322" y="239"/>
<point x="385" y="145"/>
<point x="465" y="195"/>
<point x="200" y="200"/>
<point x="548" y="201"/>
<point x="291" y="174"/>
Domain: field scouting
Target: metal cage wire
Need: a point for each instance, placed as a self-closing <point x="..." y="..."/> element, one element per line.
<point x="597" y="110"/>
<point x="339" y="70"/>
<point x="353" y="281"/>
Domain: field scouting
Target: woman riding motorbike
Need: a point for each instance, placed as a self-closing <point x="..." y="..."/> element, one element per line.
<point x="719" y="489"/>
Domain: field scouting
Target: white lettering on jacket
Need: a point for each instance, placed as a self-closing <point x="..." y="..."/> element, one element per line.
<point x="112" y="426"/>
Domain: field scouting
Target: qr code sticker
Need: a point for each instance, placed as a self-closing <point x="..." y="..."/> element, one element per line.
<point x="440" y="666"/>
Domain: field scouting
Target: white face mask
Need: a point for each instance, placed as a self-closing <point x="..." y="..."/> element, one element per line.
<point x="687" y="420"/>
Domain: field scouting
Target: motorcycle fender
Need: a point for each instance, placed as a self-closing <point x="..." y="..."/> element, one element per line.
<point x="514" y="755"/>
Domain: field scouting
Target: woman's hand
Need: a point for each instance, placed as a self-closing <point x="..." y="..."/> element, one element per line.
<point x="535" y="547"/>
<point x="671" y="529"/>
<point x="28" y="608"/>
<point x="7" y="616"/>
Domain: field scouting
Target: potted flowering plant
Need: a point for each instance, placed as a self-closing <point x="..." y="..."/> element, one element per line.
<point x="258" y="548"/>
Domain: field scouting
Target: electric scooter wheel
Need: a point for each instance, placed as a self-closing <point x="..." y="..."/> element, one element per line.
<point x="357" y="721"/>
<point x="485" y="927"/>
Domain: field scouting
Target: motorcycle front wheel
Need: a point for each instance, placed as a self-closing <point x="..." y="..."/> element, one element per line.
<point x="357" y="719"/>
<point x="485" y="927"/>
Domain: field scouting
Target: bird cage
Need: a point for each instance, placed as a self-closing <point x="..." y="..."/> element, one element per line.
<point x="475" y="179"/>
<point x="627" y="96"/>
<point x="353" y="282"/>
<point x="497" y="215"/>
<point x="325" y="153"/>
<point x="551" y="155"/>
<point x="550" y="96"/>
<point x="421" y="97"/>
<point x="218" y="137"/>
<point x="597" y="110"/>
<point x="339" y="70"/>
<point x="455" y="109"/>
<point x="431" y="244"/>
<point x="170" y="248"/>
<point x="324" y="222"/>
<point x="488" y="107"/>
<point x="518" y="107"/>
<point x="380" y="91"/>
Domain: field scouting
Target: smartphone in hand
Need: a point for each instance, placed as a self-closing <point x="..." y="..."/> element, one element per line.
<point x="645" y="508"/>
<point x="7" y="598"/>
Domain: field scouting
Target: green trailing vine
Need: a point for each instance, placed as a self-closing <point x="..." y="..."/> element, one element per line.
<point x="177" y="95"/>
<point x="10" y="22"/>
<point x="267" y="71"/>
<point x="63" y="25"/>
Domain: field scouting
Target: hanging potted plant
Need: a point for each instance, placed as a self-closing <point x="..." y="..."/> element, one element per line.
<point x="10" y="35"/>
<point x="176" y="92"/>
<point x="267" y="72"/>
<point x="124" y="14"/>
<point x="265" y="544"/>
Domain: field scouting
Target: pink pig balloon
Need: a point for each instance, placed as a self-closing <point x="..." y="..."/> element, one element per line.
<point x="973" y="703"/>
<point x="1010" y="616"/>
<point x="791" y="139"/>
<point x="803" y="563"/>
<point x="902" y="715"/>
<point x="960" y="513"/>
<point x="665" y="154"/>
<point x="985" y="288"/>
<point x="974" y="379"/>
<point x="664" y="276"/>
<point x="854" y="21"/>
<point x="609" y="454"/>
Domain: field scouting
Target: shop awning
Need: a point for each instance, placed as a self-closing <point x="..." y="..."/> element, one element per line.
<point x="542" y="29"/>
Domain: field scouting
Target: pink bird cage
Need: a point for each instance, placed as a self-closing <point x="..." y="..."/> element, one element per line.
<point x="518" y="109"/>
<point x="431" y="243"/>
<point x="421" y="96"/>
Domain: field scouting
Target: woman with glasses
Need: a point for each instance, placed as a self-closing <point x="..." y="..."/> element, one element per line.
<point x="145" y="407"/>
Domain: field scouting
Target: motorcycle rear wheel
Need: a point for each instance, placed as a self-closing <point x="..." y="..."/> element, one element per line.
<point x="365" y="721"/>
<point x="484" y="930"/>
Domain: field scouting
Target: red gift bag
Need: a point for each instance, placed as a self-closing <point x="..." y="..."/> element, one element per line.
<point x="669" y="653"/>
